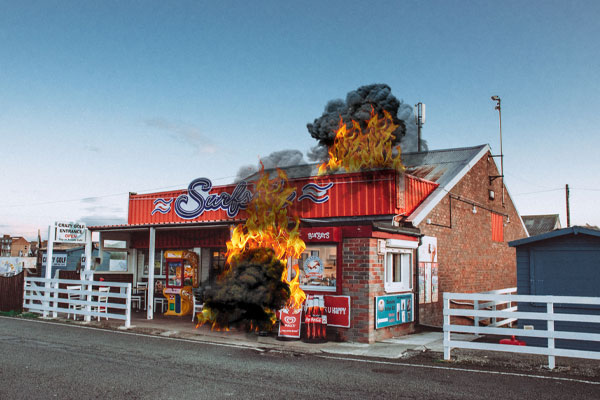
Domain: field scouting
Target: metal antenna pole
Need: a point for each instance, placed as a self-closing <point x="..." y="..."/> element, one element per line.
<point x="499" y="108"/>
<point x="568" y="208"/>
<point x="419" y="120"/>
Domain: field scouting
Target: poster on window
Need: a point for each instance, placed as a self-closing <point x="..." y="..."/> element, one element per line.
<point x="428" y="270"/>
<point x="421" y="283"/>
<point x="434" y="282"/>
<point x="317" y="268"/>
<point x="427" y="282"/>
<point x="428" y="249"/>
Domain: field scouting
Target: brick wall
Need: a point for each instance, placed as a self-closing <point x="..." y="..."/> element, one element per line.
<point x="362" y="280"/>
<point x="469" y="261"/>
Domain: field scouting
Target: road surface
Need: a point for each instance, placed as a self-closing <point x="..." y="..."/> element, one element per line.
<point x="45" y="360"/>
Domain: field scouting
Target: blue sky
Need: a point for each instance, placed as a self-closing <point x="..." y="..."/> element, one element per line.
<point x="98" y="99"/>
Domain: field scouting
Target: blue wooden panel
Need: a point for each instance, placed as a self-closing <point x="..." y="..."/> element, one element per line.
<point x="523" y="271"/>
<point x="567" y="265"/>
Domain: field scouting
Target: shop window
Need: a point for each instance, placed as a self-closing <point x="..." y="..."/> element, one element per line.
<point x="144" y="259"/>
<point x="118" y="261"/>
<point x="398" y="270"/>
<point x="318" y="267"/>
<point x="217" y="264"/>
<point x="115" y="244"/>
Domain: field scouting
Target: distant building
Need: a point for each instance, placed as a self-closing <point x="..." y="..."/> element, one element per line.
<point x="20" y="247"/>
<point x="538" y="224"/>
<point x="5" y="245"/>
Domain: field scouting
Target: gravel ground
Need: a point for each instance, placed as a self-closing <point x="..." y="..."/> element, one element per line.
<point x="575" y="368"/>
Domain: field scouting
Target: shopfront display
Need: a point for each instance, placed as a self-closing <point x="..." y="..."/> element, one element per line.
<point x="182" y="275"/>
<point x="318" y="264"/>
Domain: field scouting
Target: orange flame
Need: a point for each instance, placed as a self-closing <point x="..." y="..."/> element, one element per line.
<point x="354" y="148"/>
<point x="267" y="225"/>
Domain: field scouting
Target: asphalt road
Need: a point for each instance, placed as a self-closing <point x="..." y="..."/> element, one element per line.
<point x="42" y="360"/>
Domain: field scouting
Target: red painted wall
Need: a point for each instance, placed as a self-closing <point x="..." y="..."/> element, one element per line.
<point x="357" y="194"/>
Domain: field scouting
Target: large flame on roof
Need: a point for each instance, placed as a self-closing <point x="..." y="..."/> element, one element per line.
<point x="267" y="226"/>
<point x="355" y="148"/>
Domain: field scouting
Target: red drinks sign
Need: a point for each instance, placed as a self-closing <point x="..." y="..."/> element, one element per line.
<point x="337" y="309"/>
<point x="289" y="322"/>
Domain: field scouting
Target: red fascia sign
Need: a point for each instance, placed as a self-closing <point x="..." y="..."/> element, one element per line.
<point x="325" y="234"/>
<point x="289" y="322"/>
<point x="338" y="311"/>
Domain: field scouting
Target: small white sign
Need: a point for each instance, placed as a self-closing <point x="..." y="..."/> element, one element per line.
<point x="58" y="260"/>
<point x="70" y="232"/>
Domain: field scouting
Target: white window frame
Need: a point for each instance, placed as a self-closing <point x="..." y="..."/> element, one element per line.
<point x="394" y="246"/>
<point x="405" y="284"/>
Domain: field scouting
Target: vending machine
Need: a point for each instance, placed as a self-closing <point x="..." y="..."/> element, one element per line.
<point x="182" y="277"/>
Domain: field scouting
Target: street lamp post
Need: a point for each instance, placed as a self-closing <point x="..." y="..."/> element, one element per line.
<point x="499" y="108"/>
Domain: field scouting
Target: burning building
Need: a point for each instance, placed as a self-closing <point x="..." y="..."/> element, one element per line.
<point x="376" y="233"/>
<point x="380" y="244"/>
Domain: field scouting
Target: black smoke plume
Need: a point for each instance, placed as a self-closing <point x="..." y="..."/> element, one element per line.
<point x="357" y="107"/>
<point x="250" y="293"/>
<point x="277" y="159"/>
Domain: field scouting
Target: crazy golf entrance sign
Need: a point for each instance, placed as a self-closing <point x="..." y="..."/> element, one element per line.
<point x="65" y="232"/>
<point x="70" y="232"/>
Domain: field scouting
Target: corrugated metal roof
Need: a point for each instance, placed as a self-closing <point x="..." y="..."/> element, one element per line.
<point x="538" y="224"/>
<point x="439" y="166"/>
<point x="573" y="230"/>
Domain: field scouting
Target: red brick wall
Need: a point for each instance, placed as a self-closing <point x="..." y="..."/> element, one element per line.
<point x="362" y="280"/>
<point x="469" y="261"/>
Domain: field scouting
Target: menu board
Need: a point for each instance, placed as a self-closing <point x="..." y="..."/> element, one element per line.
<point x="393" y="310"/>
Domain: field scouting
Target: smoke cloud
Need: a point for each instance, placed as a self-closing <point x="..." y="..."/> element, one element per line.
<point x="250" y="293"/>
<point x="277" y="159"/>
<point x="357" y="107"/>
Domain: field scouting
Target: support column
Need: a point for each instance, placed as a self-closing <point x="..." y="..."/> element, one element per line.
<point x="87" y="275"/>
<point x="48" y="274"/>
<point x="88" y="250"/>
<point x="151" y="251"/>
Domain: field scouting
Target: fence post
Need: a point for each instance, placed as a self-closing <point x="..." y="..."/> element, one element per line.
<point x="447" y="348"/>
<point x="476" y="319"/>
<point x="551" y="358"/>
<point x="55" y="285"/>
<point x="24" y="292"/>
<point x="88" y="307"/>
<point x="128" y="306"/>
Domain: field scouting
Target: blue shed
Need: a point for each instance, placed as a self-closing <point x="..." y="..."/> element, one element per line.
<point x="564" y="262"/>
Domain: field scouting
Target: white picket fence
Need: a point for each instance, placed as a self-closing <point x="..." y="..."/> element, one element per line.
<point x="493" y="305"/>
<point x="42" y="296"/>
<point x="500" y="317"/>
